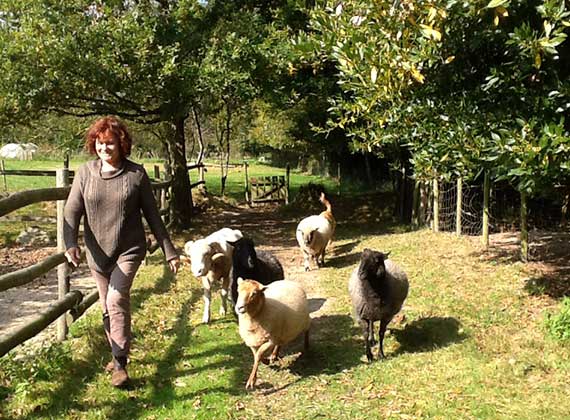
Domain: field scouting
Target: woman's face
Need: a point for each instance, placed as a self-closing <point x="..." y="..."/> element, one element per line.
<point x="108" y="149"/>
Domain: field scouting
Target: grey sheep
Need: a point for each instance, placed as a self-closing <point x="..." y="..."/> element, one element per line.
<point x="378" y="288"/>
<point x="250" y="264"/>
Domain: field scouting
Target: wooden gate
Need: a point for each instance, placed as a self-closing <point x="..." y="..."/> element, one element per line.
<point x="267" y="189"/>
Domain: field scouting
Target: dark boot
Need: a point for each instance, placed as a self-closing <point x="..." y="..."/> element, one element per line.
<point x="120" y="377"/>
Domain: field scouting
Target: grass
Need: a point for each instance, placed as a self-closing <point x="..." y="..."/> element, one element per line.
<point x="472" y="346"/>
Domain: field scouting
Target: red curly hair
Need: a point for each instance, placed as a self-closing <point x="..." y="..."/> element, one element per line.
<point x="106" y="127"/>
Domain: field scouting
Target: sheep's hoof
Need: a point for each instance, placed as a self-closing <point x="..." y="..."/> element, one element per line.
<point x="250" y="383"/>
<point x="307" y="268"/>
<point x="205" y="319"/>
<point x="222" y="312"/>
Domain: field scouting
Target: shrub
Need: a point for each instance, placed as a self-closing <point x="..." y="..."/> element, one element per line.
<point x="558" y="325"/>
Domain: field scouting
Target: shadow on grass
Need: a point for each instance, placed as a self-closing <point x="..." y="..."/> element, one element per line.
<point x="315" y="304"/>
<point x="332" y="347"/>
<point x="342" y="261"/>
<point x="427" y="334"/>
<point x="555" y="285"/>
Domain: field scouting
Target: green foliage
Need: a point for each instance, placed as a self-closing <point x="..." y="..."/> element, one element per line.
<point x="558" y="325"/>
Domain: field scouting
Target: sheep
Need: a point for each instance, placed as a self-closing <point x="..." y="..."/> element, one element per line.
<point x="270" y="317"/>
<point x="377" y="288"/>
<point x="314" y="233"/>
<point x="211" y="260"/>
<point x="248" y="263"/>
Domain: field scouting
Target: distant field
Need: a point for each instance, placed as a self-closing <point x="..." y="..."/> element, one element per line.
<point x="235" y="184"/>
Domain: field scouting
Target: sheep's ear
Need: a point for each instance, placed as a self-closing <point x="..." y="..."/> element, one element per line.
<point x="239" y="280"/>
<point x="387" y="254"/>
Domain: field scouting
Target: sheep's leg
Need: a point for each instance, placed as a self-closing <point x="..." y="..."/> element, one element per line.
<point x="306" y="257"/>
<point x="257" y="356"/>
<point x="383" y="326"/>
<point x="371" y="334"/>
<point x="367" y="340"/>
<point x="306" y="342"/>
<point x="224" y="295"/>
<point x="207" y="298"/>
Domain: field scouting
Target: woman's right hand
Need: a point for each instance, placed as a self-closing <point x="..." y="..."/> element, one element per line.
<point x="73" y="256"/>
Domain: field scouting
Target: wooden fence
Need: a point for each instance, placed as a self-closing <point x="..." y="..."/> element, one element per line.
<point x="427" y="202"/>
<point x="74" y="301"/>
<point x="267" y="189"/>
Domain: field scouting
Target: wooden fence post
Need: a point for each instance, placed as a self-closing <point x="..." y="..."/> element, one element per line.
<point x="3" y="168"/>
<point x="247" y="194"/>
<point x="435" y="205"/>
<point x="486" y="197"/>
<point x="62" y="180"/>
<point x="287" y="172"/>
<point x="524" y="227"/>
<point x="458" y="207"/>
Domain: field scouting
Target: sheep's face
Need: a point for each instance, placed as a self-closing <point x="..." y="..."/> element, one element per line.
<point x="200" y="253"/>
<point x="244" y="253"/>
<point x="250" y="296"/>
<point x="372" y="264"/>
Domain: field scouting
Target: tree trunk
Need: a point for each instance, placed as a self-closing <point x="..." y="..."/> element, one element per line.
<point x="181" y="201"/>
<point x="564" y="209"/>
<point x="200" y="137"/>
<point x="368" y="169"/>
<point x="225" y="162"/>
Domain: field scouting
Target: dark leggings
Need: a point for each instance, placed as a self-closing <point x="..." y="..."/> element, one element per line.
<point x="115" y="299"/>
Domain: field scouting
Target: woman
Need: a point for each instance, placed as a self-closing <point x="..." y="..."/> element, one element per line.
<point x="109" y="193"/>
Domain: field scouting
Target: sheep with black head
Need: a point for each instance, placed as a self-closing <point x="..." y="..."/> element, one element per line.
<point x="377" y="288"/>
<point x="249" y="263"/>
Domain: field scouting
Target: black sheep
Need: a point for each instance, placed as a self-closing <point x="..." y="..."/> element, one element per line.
<point x="378" y="288"/>
<point x="250" y="264"/>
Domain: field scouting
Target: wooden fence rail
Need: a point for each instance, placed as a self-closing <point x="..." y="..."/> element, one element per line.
<point x="28" y="274"/>
<point x="39" y="322"/>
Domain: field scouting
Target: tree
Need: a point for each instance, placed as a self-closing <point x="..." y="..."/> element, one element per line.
<point x="137" y="60"/>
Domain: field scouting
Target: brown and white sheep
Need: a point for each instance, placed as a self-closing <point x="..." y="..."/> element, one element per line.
<point x="211" y="261"/>
<point x="270" y="317"/>
<point x="315" y="233"/>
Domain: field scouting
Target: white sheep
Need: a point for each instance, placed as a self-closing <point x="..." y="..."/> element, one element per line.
<point x="270" y="317"/>
<point x="377" y="288"/>
<point x="314" y="233"/>
<point x="211" y="261"/>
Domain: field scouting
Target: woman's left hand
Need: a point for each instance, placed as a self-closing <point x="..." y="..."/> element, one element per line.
<point x="174" y="264"/>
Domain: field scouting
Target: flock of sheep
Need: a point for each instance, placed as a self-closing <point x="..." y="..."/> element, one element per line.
<point x="272" y="311"/>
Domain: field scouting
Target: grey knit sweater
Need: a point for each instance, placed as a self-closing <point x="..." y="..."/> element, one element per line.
<point x="111" y="204"/>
